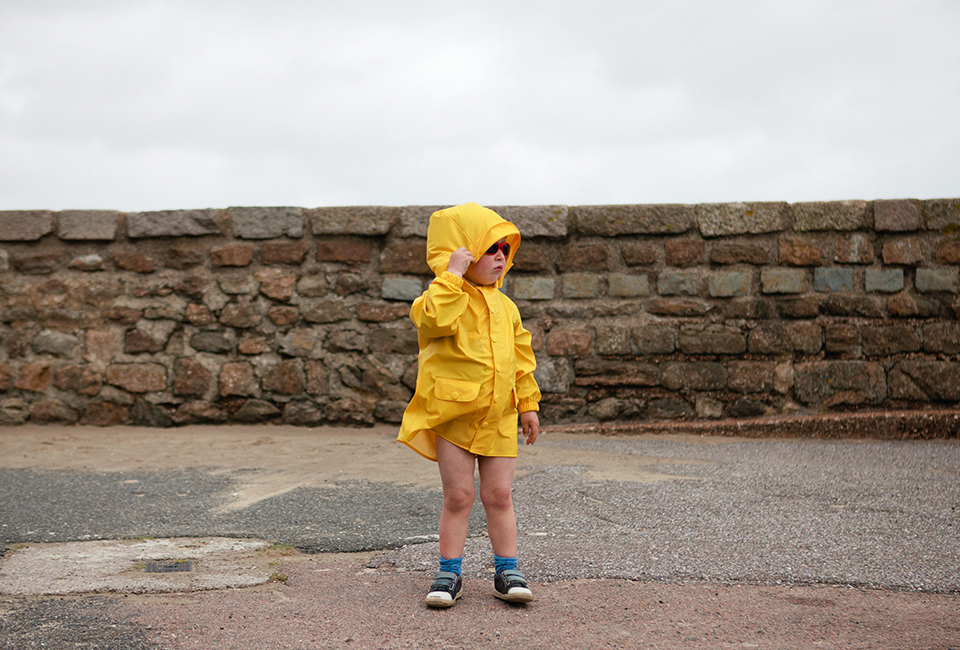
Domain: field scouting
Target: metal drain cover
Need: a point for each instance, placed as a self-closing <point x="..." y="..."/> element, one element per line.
<point x="169" y="567"/>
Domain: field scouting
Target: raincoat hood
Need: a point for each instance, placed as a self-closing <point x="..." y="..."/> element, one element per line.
<point x="472" y="226"/>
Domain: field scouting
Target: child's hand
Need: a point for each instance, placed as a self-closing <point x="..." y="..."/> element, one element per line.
<point x="530" y="423"/>
<point x="460" y="261"/>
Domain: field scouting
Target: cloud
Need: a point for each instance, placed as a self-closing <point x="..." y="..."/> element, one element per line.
<point x="165" y="103"/>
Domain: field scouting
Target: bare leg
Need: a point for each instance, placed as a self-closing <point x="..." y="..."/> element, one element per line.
<point x="496" y="481"/>
<point x="456" y="475"/>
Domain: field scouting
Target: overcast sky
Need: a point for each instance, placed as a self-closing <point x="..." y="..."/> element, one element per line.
<point x="160" y="104"/>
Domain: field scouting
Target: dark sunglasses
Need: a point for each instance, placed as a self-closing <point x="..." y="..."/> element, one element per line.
<point x="505" y="247"/>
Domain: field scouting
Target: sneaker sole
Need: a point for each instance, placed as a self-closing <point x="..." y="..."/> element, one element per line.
<point x="524" y="596"/>
<point x="443" y="603"/>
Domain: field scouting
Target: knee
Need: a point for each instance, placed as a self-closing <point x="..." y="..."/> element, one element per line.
<point x="458" y="499"/>
<point x="498" y="497"/>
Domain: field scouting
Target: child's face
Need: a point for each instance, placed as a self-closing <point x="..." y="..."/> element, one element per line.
<point x="489" y="268"/>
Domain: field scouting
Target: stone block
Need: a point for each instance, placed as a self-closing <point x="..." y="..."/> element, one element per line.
<point x="199" y="412"/>
<point x="799" y="252"/>
<point x="381" y="312"/>
<point x="854" y="249"/>
<point x="829" y="280"/>
<point x="394" y="341"/>
<point x="232" y="255"/>
<point x="602" y="372"/>
<point x="728" y="284"/>
<point x="413" y="220"/>
<point x="405" y="256"/>
<point x="927" y="381"/>
<point x="38" y="263"/>
<point x="136" y="262"/>
<point x="948" y="252"/>
<point x="683" y="252"/>
<point x="88" y="224"/>
<point x="34" y="377"/>
<point x="137" y="377"/>
<point x="256" y="410"/>
<point x="316" y="374"/>
<point x="884" y="280"/>
<point x="199" y="315"/>
<point x="298" y="343"/>
<point x="282" y="315"/>
<point x="537" y="220"/>
<point x="535" y="257"/>
<point x="326" y="311"/>
<point x="654" y="339"/>
<point x="897" y="215"/>
<point x="720" y="219"/>
<point x="616" y="220"/>
<point x="802" y="307"/>
<point x="906" y="305"/>
<point x="889" y="340"/>
<point x="237" y="379"/>
<point x="266" y="223"/>
<point x="680" y="307"/>
<point x="88" y="263"/>
<point x="638" y="253"/>
<point x="353" y="250"/>
<point x="105" y="414"/>
<point x="59" y="344"/>
<point x="712" y="339"/>
<point x="285" y="252"/>
<point x="615" y="338"/>
<point x="845" y="304"/>
<point x="406" y="289"/>
<point x="82" y="380"/>
<point x="830" y="215"/>
<point x="275" y="284"/>
<point x="783" y="280"/>
<point x="190" y="377"/>
<point x="942" y="214"/>
<point x="533" y="288"/>
<point x="171" y="223"/>
<point x="842" y="338"/>
<point x="937" y="280"/>
<point x="285" y="378"/>
<point x="570" y="342"/>
<point x="25" y="225"/>
<point x="353" y="220"/>
<point x="212" y="342"/>
<point x="739" y="253"/>
<point x="829" y="383"/>
<point x="628" y="286"/>
<point x="751" y="376"/>
<point x="906" y="252"/>
<point x="590" y="257"/>
<point x="52" y="410"/>
<point x="693" y="376"/>
<point x="313" y="286"/>
<point x="941" y="338"/>
<point x="581" y="285"/>
<point x="4" y="261"/>
<point x="776" y="338"/>
<point x="678" y="283"/>
<point x="242" y="315"/>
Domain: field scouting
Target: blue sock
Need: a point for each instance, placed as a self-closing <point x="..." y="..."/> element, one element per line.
<point x="453" y="566"/>
<point x="501" y="563"/>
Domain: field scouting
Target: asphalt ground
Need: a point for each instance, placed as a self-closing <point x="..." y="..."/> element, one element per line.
<point x="644" y="538"/>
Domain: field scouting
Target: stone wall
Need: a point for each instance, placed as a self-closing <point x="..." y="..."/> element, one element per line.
<point x="639" y="312"/>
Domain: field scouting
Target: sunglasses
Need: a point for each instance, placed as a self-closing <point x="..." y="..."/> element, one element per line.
<point x="504" y="246"/>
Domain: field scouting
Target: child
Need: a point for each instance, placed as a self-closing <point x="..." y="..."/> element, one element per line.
<point x="475" y="379"/>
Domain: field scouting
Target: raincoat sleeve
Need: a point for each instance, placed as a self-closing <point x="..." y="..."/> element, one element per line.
<point x="527" y="390"/>
<point x="437" y="311"/>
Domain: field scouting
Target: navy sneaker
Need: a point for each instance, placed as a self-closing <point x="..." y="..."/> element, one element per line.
<point x="445" y="590"/>
<point x="511" y="585"/>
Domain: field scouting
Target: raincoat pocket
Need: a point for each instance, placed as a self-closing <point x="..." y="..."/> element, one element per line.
<point x="456" y="390"/>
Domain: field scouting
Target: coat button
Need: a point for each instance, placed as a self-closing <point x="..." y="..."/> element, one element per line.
<point x="455" y="396"/>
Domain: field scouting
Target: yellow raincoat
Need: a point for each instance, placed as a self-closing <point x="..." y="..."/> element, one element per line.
<point x="475" y="365"/>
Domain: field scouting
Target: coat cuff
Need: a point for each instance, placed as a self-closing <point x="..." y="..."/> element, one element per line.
<point x="455" y="281"/>
<point x="527" y="405"/>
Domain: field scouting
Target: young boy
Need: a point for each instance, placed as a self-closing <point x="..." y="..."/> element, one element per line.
<point x="475" y="379"/>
